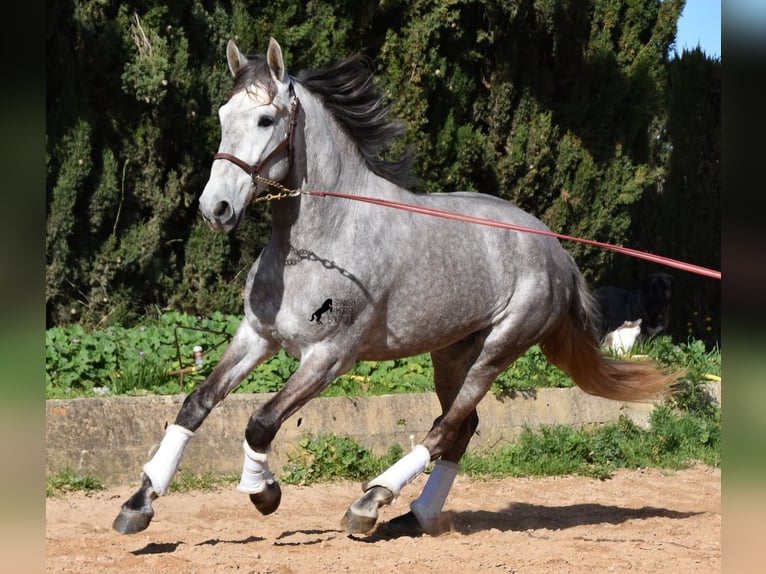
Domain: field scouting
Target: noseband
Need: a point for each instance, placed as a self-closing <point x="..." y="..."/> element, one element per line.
<point x="253" y="170"/>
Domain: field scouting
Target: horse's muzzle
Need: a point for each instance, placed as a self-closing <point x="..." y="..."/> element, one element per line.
<point x="222" y="217"/>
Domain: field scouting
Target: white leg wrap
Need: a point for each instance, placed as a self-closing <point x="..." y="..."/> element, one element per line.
<point x="164" y="463"/>
<point x="403" y="471"/>
<point x="430" y="502"/>
<point x="256" y="475"/>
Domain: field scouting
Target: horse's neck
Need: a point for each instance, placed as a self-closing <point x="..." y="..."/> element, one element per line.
<point x="324" y="159"/>
<point x="329" y="160"/>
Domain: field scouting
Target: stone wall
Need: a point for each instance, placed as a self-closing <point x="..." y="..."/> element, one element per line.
<point x="111" y="438"/>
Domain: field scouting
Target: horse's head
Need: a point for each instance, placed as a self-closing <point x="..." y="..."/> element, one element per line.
<point x="255" y="135"/>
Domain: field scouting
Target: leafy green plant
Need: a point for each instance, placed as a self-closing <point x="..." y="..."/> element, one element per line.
<point x="692" y="355"/>
<point x="674" y="440"/>
<point x="118" y="360"/>
<point x="530" y="371"/>
<point x="408" y="375"/>
<point x="148" y="358"/>
<point x="270" y="375"/>
<point x="138" y="377"/>
<point x="676" y="437"/>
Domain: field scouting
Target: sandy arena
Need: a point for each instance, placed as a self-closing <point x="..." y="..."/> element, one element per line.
<point x="638" y="521"/>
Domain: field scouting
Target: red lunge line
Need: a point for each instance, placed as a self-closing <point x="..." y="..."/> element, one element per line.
<point x="491" y="223"/>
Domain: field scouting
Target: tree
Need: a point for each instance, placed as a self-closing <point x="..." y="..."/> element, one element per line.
<point x="680" y="216"/>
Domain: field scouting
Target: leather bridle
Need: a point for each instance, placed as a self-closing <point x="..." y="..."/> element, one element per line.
<point x="253" y="170"/>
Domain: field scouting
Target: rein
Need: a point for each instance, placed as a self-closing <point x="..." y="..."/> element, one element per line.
<point x="253" y="170"/>
<point x="660" y="259"/>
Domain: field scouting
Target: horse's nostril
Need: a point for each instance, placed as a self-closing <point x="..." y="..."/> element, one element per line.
<point x="221" y="209"/>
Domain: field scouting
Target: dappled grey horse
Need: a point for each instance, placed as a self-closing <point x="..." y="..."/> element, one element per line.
<point x="476" y="298"/>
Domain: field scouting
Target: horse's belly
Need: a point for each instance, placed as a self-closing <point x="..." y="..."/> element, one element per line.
<point x="425" y="324"/>
<point x="441" y="313"/>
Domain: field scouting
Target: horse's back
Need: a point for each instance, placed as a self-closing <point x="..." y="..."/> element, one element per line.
<point x="512" y="253"/>
<point x="478" y="204"/>
<point x="453" y="278"/>
<point x="408" y="283"/>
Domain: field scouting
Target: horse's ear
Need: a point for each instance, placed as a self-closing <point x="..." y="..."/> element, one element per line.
<point x="275" y="60"/>
<point x="234" y="57"/>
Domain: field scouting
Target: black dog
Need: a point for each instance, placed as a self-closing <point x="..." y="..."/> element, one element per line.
<point x="650" y="303"/>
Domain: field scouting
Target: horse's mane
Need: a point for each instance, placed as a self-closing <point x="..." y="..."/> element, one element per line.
<point x="255" y="72"/>
<point x="347" y="90"/>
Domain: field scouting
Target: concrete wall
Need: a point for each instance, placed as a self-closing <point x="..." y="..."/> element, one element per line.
<point x="112" y="438"/>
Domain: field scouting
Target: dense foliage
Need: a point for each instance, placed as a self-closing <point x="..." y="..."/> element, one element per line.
<point x="573" y="109"/>
<point x="157" y="357"/>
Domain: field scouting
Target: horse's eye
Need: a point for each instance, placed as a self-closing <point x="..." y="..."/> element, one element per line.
<point x="265" y="121"/>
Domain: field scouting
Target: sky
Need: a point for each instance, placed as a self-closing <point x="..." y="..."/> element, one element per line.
<point x="700" y="24"/>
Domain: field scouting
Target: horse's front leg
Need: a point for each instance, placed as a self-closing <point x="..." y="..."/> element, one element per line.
<point x="245" y="351"/>
<point x="317" y="370"/>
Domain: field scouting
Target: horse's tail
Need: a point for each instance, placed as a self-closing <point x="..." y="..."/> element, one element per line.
<point x="574" y="347"/>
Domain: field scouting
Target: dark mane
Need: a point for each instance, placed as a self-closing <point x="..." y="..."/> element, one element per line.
<point x="348" y="92"/>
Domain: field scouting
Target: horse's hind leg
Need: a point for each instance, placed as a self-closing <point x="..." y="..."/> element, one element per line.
<point x="463" y="373"/>
<point x="245" y="351"/>
<point x="450" y="370"/>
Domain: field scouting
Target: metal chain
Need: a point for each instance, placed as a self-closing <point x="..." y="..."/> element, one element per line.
<point x="284" y="192"/>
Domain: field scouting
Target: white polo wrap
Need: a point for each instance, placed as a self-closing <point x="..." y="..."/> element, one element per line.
<point x="256" y="475"/>
<point x="403" y="471"/>
<point x="164" y="463"/>
<point x="431" y="501"/>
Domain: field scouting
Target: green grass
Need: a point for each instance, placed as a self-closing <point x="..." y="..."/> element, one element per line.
<point x="187" y="481"/>
<point x="67" y="480"/>
<point x="327" y="457"/>
<point x="675" y="440"/>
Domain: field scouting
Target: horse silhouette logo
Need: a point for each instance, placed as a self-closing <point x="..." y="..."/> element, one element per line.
<point x="326" y="306"/>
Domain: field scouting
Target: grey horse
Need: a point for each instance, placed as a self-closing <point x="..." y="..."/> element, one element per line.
<point x="404" y="283"/>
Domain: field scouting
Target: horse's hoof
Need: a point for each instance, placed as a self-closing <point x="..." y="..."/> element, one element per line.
<point x="137" y="512"/>
<point x="267" y="501"/>
<point x="362" y="515"/>
<point x="130" y="521"/>
<point x="406" y="524"/>
<point x="356" y="523"/>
